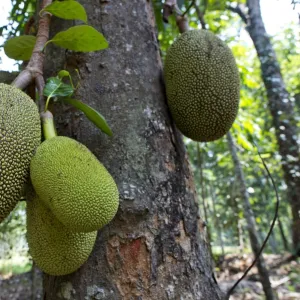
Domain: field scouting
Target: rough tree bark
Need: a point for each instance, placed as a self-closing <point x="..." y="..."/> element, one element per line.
<point x="155" y="248"/>
<point x="282" y="110"/>
<point x="251" y="227"/>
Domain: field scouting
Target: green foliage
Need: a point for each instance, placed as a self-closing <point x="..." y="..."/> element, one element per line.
<point x="81" y="38"/>
<point x="20" y="47"/>
<point x="91" y="114"/>
<point x="68" y="10"/>
<point x="19" y="16"/>
<point x="56" y="88"/>
<point x="221" y="5"/>
<point x="13" y="247"/>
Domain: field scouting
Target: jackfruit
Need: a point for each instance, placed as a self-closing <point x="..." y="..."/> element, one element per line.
<point x="77" y="188"/>
<point x="55" y="249"/>
<point x="20" y="134"/>
<point x="202" y="85"/>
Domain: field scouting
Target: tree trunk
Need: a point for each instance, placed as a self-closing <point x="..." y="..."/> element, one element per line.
<point x="282" y="234"/>
<point x="249" y="216"/>
<point x="155" y="248"/>
<point x="203" y="196"/>
<point x="217" y="220"/>
<point x="282" y="110"/>
<point x="241" y="236"/>
<point x="273" y="243"/>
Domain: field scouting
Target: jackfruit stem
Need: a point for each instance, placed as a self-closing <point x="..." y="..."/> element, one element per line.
<point x="48" y="125"/>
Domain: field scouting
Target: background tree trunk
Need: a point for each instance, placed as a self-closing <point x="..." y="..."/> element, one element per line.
<point x="155" y="248"/>
<point x="282" y="234"/>
<point x="203" y="198"/>
<point x="217" y="220"/>
<point x="282" y="110"/>
<point x="249" y="216"/>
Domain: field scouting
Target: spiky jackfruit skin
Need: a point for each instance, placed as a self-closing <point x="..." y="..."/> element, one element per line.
<point x="20" y="134"/>
<point x="202" y="85"/>
<point x="71" y="181"/>
<point x="55" y="249"/>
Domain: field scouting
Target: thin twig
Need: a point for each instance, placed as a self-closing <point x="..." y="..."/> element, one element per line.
<point x="34" y="69"/>
<point x="237" y="9"/>
<point x="200" y="15"/>
<point x="168" y="8"/>
<point x="182" y="24"/>
<point x="189" y="7"/>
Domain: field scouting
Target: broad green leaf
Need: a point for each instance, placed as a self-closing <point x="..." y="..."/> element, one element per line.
<point x="81" y="38"/>
<point x="56" y="88"/>
<point x="69" y="10"/>
<point x="20" y="47"/>
<point x="91" y="114"/>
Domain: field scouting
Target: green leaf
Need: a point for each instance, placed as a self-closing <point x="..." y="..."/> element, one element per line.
<point x="63" y="73"/>
<point x="81" y="38"/>
<point x="91" y="114"/>
<point x="56" y="88"/>
<point x="69" y="10"/>
<point x="20" y="47"/>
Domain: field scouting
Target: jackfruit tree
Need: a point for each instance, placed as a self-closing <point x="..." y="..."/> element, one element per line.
<point x="157" y="234"/>
<point x="156" y="245"/>
<point x="82" y="205"/>
<point x="157" y="230"/>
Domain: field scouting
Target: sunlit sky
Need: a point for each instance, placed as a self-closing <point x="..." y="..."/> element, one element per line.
<point x="277" y="14"/>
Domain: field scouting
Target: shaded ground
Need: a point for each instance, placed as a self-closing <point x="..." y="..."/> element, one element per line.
<point x="284" y="276"/>
<point x="285" y="279"/>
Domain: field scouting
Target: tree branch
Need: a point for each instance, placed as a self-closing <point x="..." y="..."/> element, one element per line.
<point x="34" y="69"/>
<point x="189" y="7"/>
<point x="238" y="11"/>
<point x="170" y="7"/>
<point x="200" y="15"/>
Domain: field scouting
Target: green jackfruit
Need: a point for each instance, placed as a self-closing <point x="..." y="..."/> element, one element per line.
<point x="70" y="180"/>
<point x="20" y="134"/>
<point x="202" y="85"/>
<point x="55" y="249"/>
